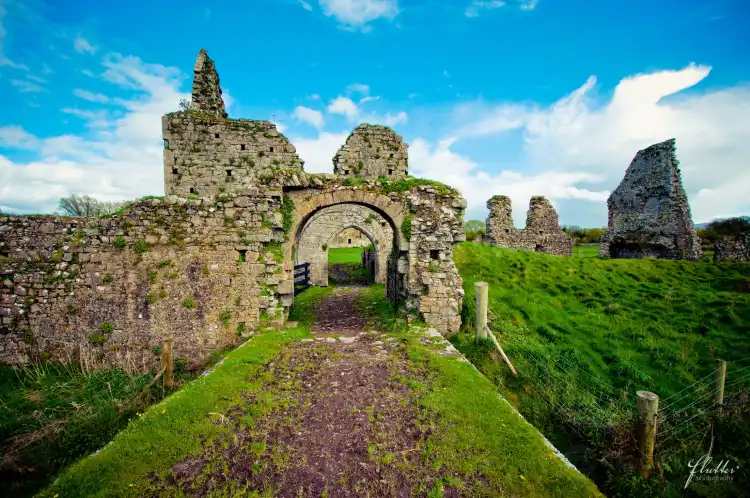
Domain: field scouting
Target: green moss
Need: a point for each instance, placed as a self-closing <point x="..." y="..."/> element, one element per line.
<point x="164" y="263"/>
<point x="140" y="246"/>
<point x="150" y="298"/>
<point x="188" y="303"/>
<point x="287" y="212"/>
<point x="276" y="250"/>
<point x="107" y="279"/>
<point x="106" y="327"/>
<point x="153" y="276"/>
<point x="28" y="336"/>
<point x="98" y="339"/>
<point x="406" y="226"/>
<point x="401" y="185"/>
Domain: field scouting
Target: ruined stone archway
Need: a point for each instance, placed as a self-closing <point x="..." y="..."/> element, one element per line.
<point x="321" y="227"/>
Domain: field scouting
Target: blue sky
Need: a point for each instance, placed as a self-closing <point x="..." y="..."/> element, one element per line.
<point x="518" y="97"/>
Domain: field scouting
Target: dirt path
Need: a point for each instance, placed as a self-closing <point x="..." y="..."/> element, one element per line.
<point x="339" y="420"/>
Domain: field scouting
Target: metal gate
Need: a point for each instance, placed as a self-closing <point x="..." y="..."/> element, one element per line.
<point x="391" y="281"/>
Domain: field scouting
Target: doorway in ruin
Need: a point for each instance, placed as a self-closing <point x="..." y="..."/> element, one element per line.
<point x="352" y="258"/>
<point x="344" y="243"/>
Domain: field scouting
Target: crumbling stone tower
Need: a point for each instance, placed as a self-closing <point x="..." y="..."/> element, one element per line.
<point x="205" y="153"/>
<point x="206" y="88"/>
<point x="542" y="232"/>
<point x="649" y="214"/>
<point x="372" y="151"/>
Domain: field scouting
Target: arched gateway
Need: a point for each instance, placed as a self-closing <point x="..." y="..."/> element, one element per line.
<point x="215" y="257"/>
<point x="318" y="232"/>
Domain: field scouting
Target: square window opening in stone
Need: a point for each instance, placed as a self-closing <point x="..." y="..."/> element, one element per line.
<point x="216" y="135"/>
<point x="390" y="172"/>
<point x="242" y="146"/>
<point x="270" y="149"/>
<point x="350" y="241"/>
<point x="192" y="190"/>
<point x="382" y="224"/>
<point x="175" y="171"/>
<point x="434" y="254"/>
<point x="243" y="255"/>
<point x="229" y="172"/>
<point x="391" y="156"/>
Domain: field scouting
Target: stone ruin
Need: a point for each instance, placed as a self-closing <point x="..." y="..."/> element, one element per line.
<point x="213" y="261"/>
<point x="649" y="214"/>
<point x="372" y="151"/>
<point x="542" y="232"/>
<point x="733" y="248"/>
<point x="206" y="154"/>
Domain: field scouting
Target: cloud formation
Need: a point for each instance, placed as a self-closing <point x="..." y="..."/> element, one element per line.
<point x="357" y="14"/>
<point x="82" y="46"/>
<point x="121" y="159"/>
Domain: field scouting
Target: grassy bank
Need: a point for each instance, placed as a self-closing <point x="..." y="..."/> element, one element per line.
<point x="586" y="333"/>
<point x="52" y="414"/>
<point x="473" y="439"/>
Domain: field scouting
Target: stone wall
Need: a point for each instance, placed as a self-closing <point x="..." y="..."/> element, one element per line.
<point x="542" y="232"/>
<point x="372" y="151"/>
<point x="733" y="248"/>
<point x="350" y="237"/>
<point x="649" y="214"/>
<point x="206" y="154"/>
<point x="206" y="87"/>
<point x="428" y="221"/>
<point x="108" y="291"/>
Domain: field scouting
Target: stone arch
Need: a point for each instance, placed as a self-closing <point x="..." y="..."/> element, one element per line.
<point x="315" y="235"/>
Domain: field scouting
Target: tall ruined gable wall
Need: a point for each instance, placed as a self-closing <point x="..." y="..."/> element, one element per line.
<point x="372" y="151"/>
<point x="206" y="156"/>
<point x="108" y="291"/>
<point x="649" y="213"/>
<point x="542" y="232"/>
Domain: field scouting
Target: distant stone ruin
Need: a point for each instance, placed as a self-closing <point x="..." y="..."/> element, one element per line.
<point x="733" y="248"/>
<point x="542" y="232"/>
<point x="649" y="214"/>
<point x="372" y="151"/>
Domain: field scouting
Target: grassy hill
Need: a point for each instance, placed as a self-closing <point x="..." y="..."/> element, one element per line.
<point x="586" y="333"/>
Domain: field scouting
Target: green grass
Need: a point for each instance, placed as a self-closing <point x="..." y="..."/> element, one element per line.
<point x="52" y="414"/>
<point x="345" y="255"/>
<point x="176" y="428"/>
<point x="473" y="433"/>
<point x="586" y="333"/>
<point x="586" y="251"/>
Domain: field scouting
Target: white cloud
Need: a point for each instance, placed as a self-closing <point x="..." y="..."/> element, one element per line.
<point x="4" y="60"/>
<point x="579" y="134"/>
<point x="25" y="86"/>
<point x="529" y="4"/>
<point x="318" y="152"/>
<point x="305" y="5"/>
<point x="82" y="45"/>
<point x="358" y="88"/>
<point x="356" y="14"/>
<point x="310" y="116"/>
<point x="369" y="98"/>
<point x="16" y="137"/>
<point x="439" y="162"/>
<point x="90" y="96"/>
<point x="477" y="6"/>
<point x="120" y="161"/>
<point x="394" y="119"/>
<point x="344" y="106"/>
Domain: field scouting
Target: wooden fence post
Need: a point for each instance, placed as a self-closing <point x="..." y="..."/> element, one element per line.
<point x="720" y="377"/>
<point x="481" y="295"/>
<point x="167" y="359"/>
<point x="648" y="406"/>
